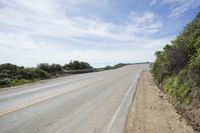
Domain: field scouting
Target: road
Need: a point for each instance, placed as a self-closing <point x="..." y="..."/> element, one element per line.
<point x="84" y="103"/>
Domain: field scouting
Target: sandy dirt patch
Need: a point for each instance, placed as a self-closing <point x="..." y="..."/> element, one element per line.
<point x="150" y="112"/>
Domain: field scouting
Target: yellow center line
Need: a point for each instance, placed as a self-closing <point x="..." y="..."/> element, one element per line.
<point x="44" y="98"/>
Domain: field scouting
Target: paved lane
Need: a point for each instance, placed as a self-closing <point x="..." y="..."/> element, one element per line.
<point x="85" y="103"/>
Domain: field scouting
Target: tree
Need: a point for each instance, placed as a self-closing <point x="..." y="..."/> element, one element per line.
<point x="55" y="69"/>
<point x="42" y="74"/>
<point x="76" y="65"/>
<point x="44" y="66"/>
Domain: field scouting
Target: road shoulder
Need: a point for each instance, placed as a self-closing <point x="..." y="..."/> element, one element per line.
<point x="150" y="112"/>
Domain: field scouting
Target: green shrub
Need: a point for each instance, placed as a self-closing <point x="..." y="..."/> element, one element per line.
<point x="15" y="75"/>
<point x="183" y="92"/>
<point x="194" y="68"/>
<point x="177" y="88"/>
<point x="177" y="67"/>
<point x="77" y="65"/>
<point x="23" y="81"/>
<point x="6" y="82"/>
<point x="170" y="86"/>
<point x="42" y="74"/>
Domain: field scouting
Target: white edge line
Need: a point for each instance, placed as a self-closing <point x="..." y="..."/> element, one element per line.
<point x="122" y="103"/>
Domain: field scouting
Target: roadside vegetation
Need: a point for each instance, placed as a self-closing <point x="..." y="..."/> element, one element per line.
<point x="12" y="75"/>
<point x="115" y="66"/>
<point x="177" y="71"/>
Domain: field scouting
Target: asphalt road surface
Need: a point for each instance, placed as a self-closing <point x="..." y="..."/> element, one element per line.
<point x="84" y="103"/>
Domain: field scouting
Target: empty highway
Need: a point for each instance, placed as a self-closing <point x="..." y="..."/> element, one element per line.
<point x="84" y="103"/>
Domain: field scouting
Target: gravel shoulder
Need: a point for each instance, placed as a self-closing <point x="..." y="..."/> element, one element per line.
<point x="150" y="112"/>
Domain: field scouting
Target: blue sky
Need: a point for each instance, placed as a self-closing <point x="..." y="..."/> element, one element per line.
<point x="102" y="32"/>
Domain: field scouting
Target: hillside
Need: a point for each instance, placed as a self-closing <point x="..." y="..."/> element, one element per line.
<point x="177" y="72"/>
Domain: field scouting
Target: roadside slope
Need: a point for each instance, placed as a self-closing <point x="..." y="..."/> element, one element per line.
<point x="150" y="112"/>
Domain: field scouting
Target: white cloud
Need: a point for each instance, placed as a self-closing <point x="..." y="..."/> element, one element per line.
<point x="148" y="23"/>
<point x="52" y="21"/>
<point x="184" y="6"/>
<point x="178" y="7"/>
<point x="26" y="24"/>
<point x="20" y="50"/>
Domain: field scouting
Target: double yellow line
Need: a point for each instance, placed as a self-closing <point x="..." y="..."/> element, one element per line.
<point x="44" y="98"/>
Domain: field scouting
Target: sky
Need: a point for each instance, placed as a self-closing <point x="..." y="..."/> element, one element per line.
<point x="101" y="32"/>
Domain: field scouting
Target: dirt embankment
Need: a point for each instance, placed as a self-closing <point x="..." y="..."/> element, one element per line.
<point x="189" y="112"/>
<point x="152" y="113"/>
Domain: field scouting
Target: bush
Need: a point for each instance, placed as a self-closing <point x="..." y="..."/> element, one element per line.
<point x="28" y="73"/>
<point x="6" y="82"/>
<point x="14" y="75"/>
<point x="55" y="69"/>
<point x="177" y="89"/>
<point x="45" y="67"/>
<point x="119" y="65"/>
<point x="76" y="65"/>
<point x="177" y="67"/>
<point x="160" y="68"/>
<point x="41" y="74"/>
<point x="194" y="68"/>
<point x="3" y="75"/>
